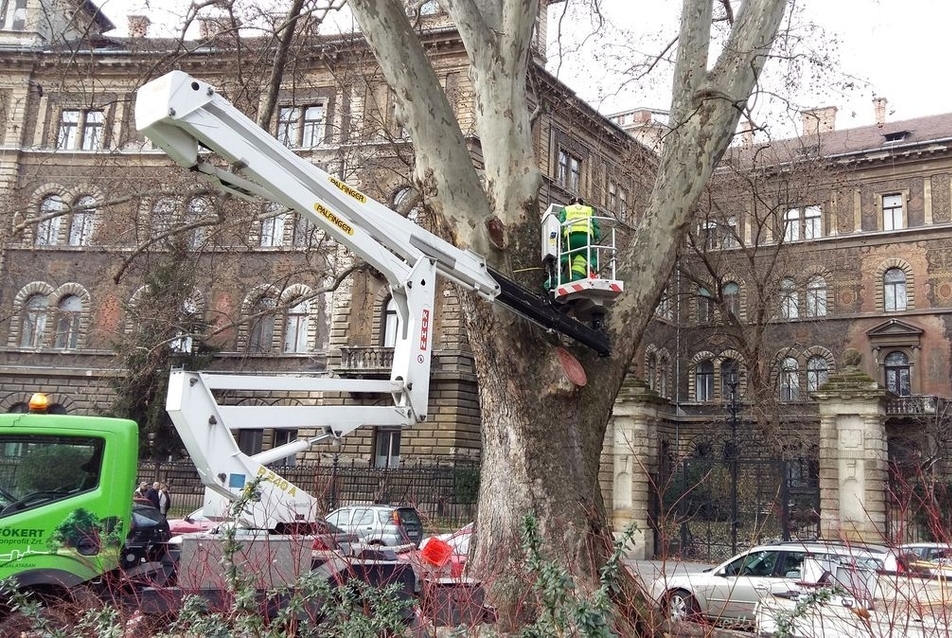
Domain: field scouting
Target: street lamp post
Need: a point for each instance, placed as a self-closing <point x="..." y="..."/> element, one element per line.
<point x="731" y="451"/>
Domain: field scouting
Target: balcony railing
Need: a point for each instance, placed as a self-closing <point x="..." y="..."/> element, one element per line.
<point x="365" y="360"/>
<point x="918" y="404"/>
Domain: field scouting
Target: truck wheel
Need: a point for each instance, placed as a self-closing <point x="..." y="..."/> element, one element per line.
<point x="680" y="605"/>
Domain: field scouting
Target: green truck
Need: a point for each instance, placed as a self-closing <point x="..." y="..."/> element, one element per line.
<point x="66" y="487"/>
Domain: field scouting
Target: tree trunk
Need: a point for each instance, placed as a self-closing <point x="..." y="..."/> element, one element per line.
<point x="542" y="436"/>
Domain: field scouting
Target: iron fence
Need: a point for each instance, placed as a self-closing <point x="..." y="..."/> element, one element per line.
<point x="710" y="509"/>
<point x="445" y="494"/>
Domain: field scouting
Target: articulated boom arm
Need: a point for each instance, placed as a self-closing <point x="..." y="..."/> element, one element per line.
<point x="185" y="116"/>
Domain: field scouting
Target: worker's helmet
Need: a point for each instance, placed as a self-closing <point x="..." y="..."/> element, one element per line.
<point x="575" y="200"/>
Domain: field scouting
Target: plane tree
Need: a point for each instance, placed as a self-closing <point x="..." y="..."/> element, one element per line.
<point x="542" y="435"/>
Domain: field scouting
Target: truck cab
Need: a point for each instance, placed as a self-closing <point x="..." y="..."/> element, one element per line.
<point x="65" y="497"/>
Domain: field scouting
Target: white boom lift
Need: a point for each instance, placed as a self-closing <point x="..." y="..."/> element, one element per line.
<point x="186" y="117"/>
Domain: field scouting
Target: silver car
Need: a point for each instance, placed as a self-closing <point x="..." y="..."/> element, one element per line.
<point x="731" y="590"/>
<point x="390" y="525"/>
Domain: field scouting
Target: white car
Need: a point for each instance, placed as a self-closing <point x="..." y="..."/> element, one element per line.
<point x="730" y="591"/>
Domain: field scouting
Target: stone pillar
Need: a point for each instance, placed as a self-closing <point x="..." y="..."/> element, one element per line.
<point x="631" y="451"/>
<point x="853" y="462"/>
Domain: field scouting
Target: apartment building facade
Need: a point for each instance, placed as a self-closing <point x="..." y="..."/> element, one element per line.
<point x="116" y="264"/>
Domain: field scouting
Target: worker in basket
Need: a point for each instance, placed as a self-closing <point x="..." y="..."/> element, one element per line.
<point x="580" y="232"/>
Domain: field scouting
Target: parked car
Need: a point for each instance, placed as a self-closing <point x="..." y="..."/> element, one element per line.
<point x="148" y="536"/>
<point x="390" y="525"/>
<point x="730" y="591"/>
<point x="194" y="522"/>
<point x="930" y="559"/>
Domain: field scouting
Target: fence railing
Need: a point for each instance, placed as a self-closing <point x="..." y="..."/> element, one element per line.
<point x="445" y="494"/>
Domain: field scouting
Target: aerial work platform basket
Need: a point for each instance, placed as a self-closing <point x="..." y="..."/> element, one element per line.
<point x="586" y="296"/>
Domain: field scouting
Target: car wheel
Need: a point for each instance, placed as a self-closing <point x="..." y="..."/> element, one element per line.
<point x="680" y="605"/>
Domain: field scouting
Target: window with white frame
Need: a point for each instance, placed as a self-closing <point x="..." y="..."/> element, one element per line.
<point x="707" y="232"/>
<point x="729" y="237"/>
<point x="803" y="222"/>
<point x="705" y="306"/>
<point x="569" y="174"/>
<point x="617" y="198"/>
<point x="816" y="296"/>
<point x="894" y="290"/>
<point x="195" y="211"/>
<point x="261" y="337"/>
<point x="81" y="129"/>
<point x="81" y="225"/>
<point x="663" y="365"/>
<point x="898" y="373"/>
<point x="818" y="372"/>
<point x="69" y="311"/>
<point x="704" y="381"/>
<point x="789" y="379"/>
<point x="387" y="448"/>
<point x="52" y="209"/>
<point x="33" y="321"/>
<point x="390" y="324"/>
<point x="295" y="327"/>
<point x="163" y="215"/>
<point x="272" y="230"/>
<point x="183" y="341"/>
<point x="731" y="292"/>
<point x="301" y="126"/>
<point x="789" y="305"/>
<point x="651" y="370"/>
<point x="893" y="217"/>
<point x="663" y="309"/>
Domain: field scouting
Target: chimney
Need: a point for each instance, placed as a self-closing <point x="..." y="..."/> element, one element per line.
<point x="879" y="109"/>
<point x="139" y="26"/>
<point x="209" y="28"/>
<point x="642" y="117"/>
<point x="819" y="120"/>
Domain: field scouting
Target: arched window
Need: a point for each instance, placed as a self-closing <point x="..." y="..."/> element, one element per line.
<point x="69" y="310"/>
<point x="183" y="342"/>
<point x="898" y="373"/>
<point x="391" y="324"/>
<point x="818" y="372"/>
<point x="789" y="307"/>
<point x="662" y="387"/>
<point x="894" y="290"/>
<point x="816" y="296"/>
<point x="732" y="297"/>
<point x="295" y="327"/>
<point x="705" y="306"/>
<point x="730" y="377"/>
<point x="651" y="365"/>
<point x="163" y="213"/>
<point x="789" y="380"/>
<point x="261" y="339"/>
<point x="704" y="381"/>
<point x="52" y="209"/>
<point x="33" y="324"/>
<point x="195" y="210"/>
<point x="81" y="228"/>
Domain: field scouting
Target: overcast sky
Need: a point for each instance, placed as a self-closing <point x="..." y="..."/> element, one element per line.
<point x="896" y="49"/>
